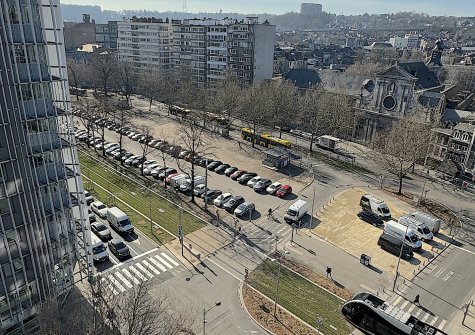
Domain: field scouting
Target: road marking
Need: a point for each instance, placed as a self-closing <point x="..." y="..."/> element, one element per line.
<point x="425" y="317"/>
<point x="448" y="275"/>
<point x="438" y="273"/>
<point x="150" y="267"/>
<point x="460" y="248"/>
<point x="170" y="259"/>
<point x="279" y="231"/>
<point x="163" y="262"/>
<point x="128" y="274"/>
<point x="116" y="283"/>
<point x="138" y="274"/>
<point x="430" y="271"/>
<point x="434" y="320"/>
<point x="144" y="270"/>
<point x="442" y="324"/>
<point x="128" y="261"/>
<point x="418" y="313"/>
<point x="157" y="264"/>
<point x="411" y="308"/>
<point x="122" y="278"/>
<point x="404" y="304"/>
<point x="110" y="286"/>
<point x="397" y="300"/>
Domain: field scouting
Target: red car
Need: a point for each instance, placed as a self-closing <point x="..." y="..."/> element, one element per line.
<point x="283" y="191"/>
<point x="237" y="174"/>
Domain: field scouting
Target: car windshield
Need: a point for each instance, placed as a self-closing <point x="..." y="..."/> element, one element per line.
<point x="120" y="245"/>
<point x="413" y="238"/>
<point x="97" y="250"/>
<point x="242" y="207"/>
<point x="101" y="206"/>
<point x="291" y="212"/>
<point x="425" y="230"/>
<point x="101" y="227"/>
<point x="124" y="222"/>
<point x="385" y="210"/>
<point x="87" y="194"/>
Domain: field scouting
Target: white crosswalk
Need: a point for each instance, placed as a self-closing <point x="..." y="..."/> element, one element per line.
<point x="135" y="273"/>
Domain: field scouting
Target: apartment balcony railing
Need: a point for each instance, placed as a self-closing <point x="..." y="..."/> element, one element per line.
<point x="26" y="31"/>
<point x="32" y="72"/>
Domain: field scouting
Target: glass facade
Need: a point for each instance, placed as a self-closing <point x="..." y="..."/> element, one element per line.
<point x="42" y="213"/>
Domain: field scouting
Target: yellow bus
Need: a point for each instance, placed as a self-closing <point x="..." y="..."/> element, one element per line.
<point x="264" y="140"/>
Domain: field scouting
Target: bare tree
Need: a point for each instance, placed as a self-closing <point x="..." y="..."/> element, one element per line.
<point x="75" y="74"/>
<point x="145" y="148"/>
<point x="104" y="66"/>
<point x="226" y="101"/>
<point x="401" y="146"/>
<point x="103" y="112"/>
<point x="121" y="116"/>
<point x="126" y="79"/>
<point x="149" y="88"/>
<point x="87" y="116"/>
<point x="283" y="104"/>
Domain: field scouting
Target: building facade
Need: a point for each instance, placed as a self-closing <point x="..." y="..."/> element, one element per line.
<point x="106" y="35"/>
<point x="146" y="43"/>
<point x="311" y="9"/>
<point x="42" y="209"/>
<point x="76" y="34"/>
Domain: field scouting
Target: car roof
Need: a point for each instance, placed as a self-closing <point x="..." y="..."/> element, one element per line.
<point x="226" y="195"/>
<point x="246" y="203"/>
<point x="97" y="203"/>
<point x="116" y="240"/>
<point x="276" y="183"/>
<point x="286" y="187"/>
<point x="237" y="197"/>
<point x="98" y="224"/>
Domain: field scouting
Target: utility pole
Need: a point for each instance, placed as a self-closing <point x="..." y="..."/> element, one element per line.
<point x="399" y="259"/>
<point x="180" y="231"/>
<point x="206" y="185"/>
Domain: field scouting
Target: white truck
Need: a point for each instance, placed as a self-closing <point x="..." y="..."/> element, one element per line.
<point x="432" y="222"/>
<point x="187" y="185"/>
<point x="177" y="180"/>
<point x="370" y="203"/>
<point x="329" y="142"/>
<point x="119" y="221"/>
<point x="422" y="230"/>
<point x="404" y="233"/>
<point x="296" y="211"/>
<point x="99" y="250"/>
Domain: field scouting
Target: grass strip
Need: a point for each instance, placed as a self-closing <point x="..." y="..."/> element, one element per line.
<point x="300" y="297"/>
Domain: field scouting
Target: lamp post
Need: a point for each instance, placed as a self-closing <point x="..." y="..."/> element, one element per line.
<point x="206" y="185"/>
<point x="286" y="252"/>
<point x="399" y="258"/>
<point x="217" y="303"/>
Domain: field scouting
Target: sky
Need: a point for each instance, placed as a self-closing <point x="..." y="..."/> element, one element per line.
<point x="431" y="7"/>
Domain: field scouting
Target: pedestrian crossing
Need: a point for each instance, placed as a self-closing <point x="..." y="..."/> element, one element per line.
<point x="266" y="231"/>
<point x="418" y="311"/>
<point x="143" y="269"/>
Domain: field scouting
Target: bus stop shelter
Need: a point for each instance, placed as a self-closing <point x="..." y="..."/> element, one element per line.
<point x="277" y="157"/>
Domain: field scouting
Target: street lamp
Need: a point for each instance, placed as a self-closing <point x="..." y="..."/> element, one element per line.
<point x="286" y="252"/>
<point x="399" y="258"/>
<point x="217" y="303"/>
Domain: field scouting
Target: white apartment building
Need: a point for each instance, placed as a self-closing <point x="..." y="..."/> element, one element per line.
<point x="409" y="41"/>
<point x="146" y="43"/>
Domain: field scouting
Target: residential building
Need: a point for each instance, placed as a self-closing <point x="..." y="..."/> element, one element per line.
<point x="43" y="217"/>
<point x="106" y="34"/>
<point x="399" y="42"/>
<point x="310" y="9"/>
<point x="147" y="43"/>
<point x="76" y="34"/>
<point x="413" y="41"/>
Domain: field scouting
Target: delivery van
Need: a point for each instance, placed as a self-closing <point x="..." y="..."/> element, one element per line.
<point x="403" y="233"/>
<point x="99" y="250"/>
<point x="422" y="230"/>
<point x="119" y="221"/>
<point x="296" y="211"/>
<point x="432" y="222"/>
<point x="370" y="203"/>
<point x="186" y="186"/>
<point x="393" y="245"/>
<point x="178" y="179"/>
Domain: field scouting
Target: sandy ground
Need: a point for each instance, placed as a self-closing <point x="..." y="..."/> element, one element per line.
<point x="340" y="226"/>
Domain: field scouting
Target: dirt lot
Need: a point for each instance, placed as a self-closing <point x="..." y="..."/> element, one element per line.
<point x="340" y="226"/>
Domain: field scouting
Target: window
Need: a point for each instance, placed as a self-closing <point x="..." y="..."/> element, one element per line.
<point x="4" y="208"/>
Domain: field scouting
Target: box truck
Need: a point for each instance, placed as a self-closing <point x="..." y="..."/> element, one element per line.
<point x="119" y="221"/>
<point x="296" y="211"/>
<point x="404" y="233"/>
<point x="329" y="142"/>
<point x="422" y="230"/>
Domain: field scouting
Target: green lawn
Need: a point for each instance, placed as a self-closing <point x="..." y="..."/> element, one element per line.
<point x="302" y="298"/>
<point x="164" y="213"/>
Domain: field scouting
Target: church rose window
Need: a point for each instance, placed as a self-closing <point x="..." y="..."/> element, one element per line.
<point x="389" y="102"/>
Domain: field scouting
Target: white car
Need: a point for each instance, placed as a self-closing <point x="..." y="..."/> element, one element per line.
<point x="110" y="145"/>
<point x="129" y="160"/>
<point x="147" y="163"/>
<point x="149" y="168"/>
<point x="253" y="181"/>
<point x="199" y="190"/>
<point x="222" y="199"/>
<point x="273" y="187"/>
<point x="99" y="208"/>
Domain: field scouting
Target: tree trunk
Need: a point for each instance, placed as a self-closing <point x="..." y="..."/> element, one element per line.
<point x="150" y="106"/>
<point x="280" y="132"/>
<point x="311" y="143"/>
<point x="399" y="192"/>
<point x="193" y="178"/>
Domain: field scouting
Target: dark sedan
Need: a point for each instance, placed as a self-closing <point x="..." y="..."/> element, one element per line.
<point x="262" y="184"/>
<point x="220" y="169"/>
<point x="233" y="203"/>
<point x="246" y="177"/>
<point x="211" y="195"/>
<point x="213" y="165"/>
<point x="119" y="248"/>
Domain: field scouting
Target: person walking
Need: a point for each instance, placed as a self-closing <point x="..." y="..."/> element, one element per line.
<point x="416" y="300"/>
<point x="269" y="214"/>
<point x="329" y="273"/>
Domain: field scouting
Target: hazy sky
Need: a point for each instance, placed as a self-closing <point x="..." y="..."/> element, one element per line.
<point x="432" y="7"/>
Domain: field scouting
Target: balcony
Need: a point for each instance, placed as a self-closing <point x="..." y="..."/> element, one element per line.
<point x="38" y="108"/>
<point x="31" y="35"/>
<point x="4" y="155"/>
<point x="32" y="72"/>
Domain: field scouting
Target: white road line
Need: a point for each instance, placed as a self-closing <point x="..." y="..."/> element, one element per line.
<point x="411" y="308"/>
<point x="442" y="324"/>
<point x="137" y="273"/>
<point x="128" y="274"/>
<point x="397" y="301"/>
<point x="144" y="270"/>
<point x="404" y="304"/>
<point x="122" y="279"/>
<point x="448" y="275"/>
<point x="438" y="273"/>
<point x="425" y="317"/>
<point x="110" y="286"/>
<point x="157" y="264"/>
<point x="170" y="259"/>
<point x="116" y="283"/>
<point x="279" y="231"/>
<point x="150" y="267"/>
<point x="430" y="271"/>
<point x="460" y="248"/>
<point x="127" y="261"/>
<point x="163" y="262"/>
<point x="434" y="320"/>
<point x="418" y="313"/>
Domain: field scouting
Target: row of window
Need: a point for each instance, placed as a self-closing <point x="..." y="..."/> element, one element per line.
<point x="462" y="136"/>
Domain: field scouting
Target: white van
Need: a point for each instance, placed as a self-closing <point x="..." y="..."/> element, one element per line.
<point x="296" y="211"/>
<point x="370" y="203"/>
<point x="119" y="221"/>
<point x="432" y="222"/>
<point x="178" y="179"/>
<point x="99" y="250"/>
<point x="421" y="229"/>
<point x="186" y="185"/>
<point x="402" y="232"/>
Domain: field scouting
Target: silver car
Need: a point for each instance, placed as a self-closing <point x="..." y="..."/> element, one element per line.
<point x="222" y="199"/>
<point x="245" y="208"/>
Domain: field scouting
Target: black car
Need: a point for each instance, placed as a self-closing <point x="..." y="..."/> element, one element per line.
<point x="370" y="217"/>
<point x="211" y="195"/>
<point x="136" y="162"/>
<point x="232" y="204"/>
<point x="213" y="165"/>
<point x="92" y="217"/>
<point x="204" y="162"/>
<point x="221" y="168"/>
<point x="230" y="170"/>
<point x="262" y="185"/>
<point x="119" y="248"/>
<point x="126" y="156"/>
<point x="246" y="177"/>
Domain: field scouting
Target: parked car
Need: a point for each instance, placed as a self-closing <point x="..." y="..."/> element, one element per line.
<point x="89" y="198"/>
<point x="220" y="169"/>
<point x="253" y="181"/>
<point x="99" y="208"/>
<point x="101" y="230"/>
<point x="183" y="154"/>
<point x="273" y="187"/>
<point x="170" y="177"/>
<point x="232" y="203"/>
<point x="119" y="248"/>
<point x="230" y="170"/>
<point x="204" y="162"/>
<point x="237" y="174"/>
<point x="167" y="172"/>
<point x="136" y="137"/>
<point x="111" y="145"/>
<point x="371" y="217"/>
<point x="156" y="172"/>
<point x="137" y="161"/>
<point x="126" y="156"/>
<point x="199" y="190"/>
<point x="129" y="160"/>
<point x="213" y="165"/>
<point x="145" y="138"/>
<point x="283" y="191"/>
<point x="245" y="209"/>
<point x="246" y="177"/>
<point x="222" y="199"/>
<point x="147" y="163"/>
<point x="111" y="149"/>
<point x="147" y="170"/>
<point x="119" y="154"/>
<point x="92" y="217"/>
<point x="262" y="185"/>
<point x="211" y="195"/>
<point x="132" y="133"/>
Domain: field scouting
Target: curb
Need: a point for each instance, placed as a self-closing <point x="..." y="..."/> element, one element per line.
<point x="243" y="306"/>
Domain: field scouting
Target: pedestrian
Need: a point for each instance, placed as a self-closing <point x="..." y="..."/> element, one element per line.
<point x="416" y="300"/>
<point x="269" y="214"/>
<point x="329" y="273"/>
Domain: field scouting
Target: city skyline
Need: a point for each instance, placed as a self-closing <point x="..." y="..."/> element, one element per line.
<point x="347" y="7"/>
